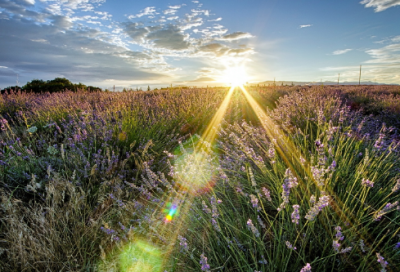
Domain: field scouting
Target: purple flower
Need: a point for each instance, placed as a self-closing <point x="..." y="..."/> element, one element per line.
<point x="336" y="245"/>
<point x="267" y="193"/>
<point x="253" y="229"/>
<point x="254" y="201"/>
<point x="183" y="243"/>
<point x="290" y="246"/>
<point x="295" y="214"/>
<point x="396" y="187"/>
<point x="367" y="183"/>
<point x="339" y="234"/>
<point x="204" y="265"/>
<point x="397" y="246"/>
<point x="382" y="261"/>
<point x="385" y="210"/>
<point x="306" y="268"/>
<point x="314" y="211"/>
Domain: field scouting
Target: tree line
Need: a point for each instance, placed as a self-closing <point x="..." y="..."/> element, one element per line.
<point x="52" y="86"/>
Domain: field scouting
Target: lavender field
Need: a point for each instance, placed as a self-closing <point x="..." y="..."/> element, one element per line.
<point x="288" y="178"/>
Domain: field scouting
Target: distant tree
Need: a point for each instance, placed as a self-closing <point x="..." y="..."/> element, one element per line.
<point x="10" y="88"/>
<point x="35" y="86"/>
<point x="56" y="85"/>
<point x="148" y="88"/>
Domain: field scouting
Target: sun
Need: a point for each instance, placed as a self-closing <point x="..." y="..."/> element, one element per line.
<point x="235" y="76"/>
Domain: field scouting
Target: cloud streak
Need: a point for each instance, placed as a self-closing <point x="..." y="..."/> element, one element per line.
<point x="303" y="26"/>
<point x="380" y="5"/>
<point x="341" y="52"/>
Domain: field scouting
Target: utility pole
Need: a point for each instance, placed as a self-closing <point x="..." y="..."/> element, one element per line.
<point x="17" y="81"/>
<point x="359" y="79"/>
<point x="338" y="79"/>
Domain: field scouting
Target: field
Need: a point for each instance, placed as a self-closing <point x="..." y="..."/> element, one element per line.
<point x="288" y="178"/>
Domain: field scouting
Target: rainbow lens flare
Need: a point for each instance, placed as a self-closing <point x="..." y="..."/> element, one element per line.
<point x="171" y="212"/>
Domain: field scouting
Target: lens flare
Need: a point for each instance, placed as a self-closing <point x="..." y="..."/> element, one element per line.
<point x="140" y="256"/>
<point x="195" y="170"/>
<point x="171" y="212"/>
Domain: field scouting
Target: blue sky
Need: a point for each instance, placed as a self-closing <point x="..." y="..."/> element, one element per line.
<point x="157" y="43"/>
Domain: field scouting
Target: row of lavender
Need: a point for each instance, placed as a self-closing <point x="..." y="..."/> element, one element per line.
<point x="76" y="155"/>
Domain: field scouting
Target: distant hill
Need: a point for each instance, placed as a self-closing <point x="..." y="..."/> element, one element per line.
<point x="279" y="83"/>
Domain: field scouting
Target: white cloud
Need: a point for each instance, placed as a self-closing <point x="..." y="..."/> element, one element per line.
<point x="303" y="26"/>
<point x="396" y="39"/>
<point x="173" y="18"/>
<point x="3" y="67"/>
<point x="40" y="40"/>
<point x="380" y="5"/>
<point x="196" y="12"/>
<point x="236" y="36"/>
<point x="341" y="52"/>
<point x="389" y="54"/>
<point x="149" y="11"/>
<point x="175" y="7"/>
<point x="215" y="20"/>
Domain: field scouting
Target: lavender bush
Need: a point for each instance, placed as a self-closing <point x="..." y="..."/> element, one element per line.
<point x="124" y="182"/>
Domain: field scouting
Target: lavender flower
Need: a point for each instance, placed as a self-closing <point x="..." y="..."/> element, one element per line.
<point x="362" y="246"/>
<point x="397" y="246"/>
<point x="267" y="193"/>
<point x="314" y="211"/>
<point x="339" y="234"/>
<point x="205" y="207"/>
<point x="313" y="200"/>
<point x="290" y="181"/>
<point x="214" y="214"/>
<point x="306" y="268"/>
<point x="367" y="183"/>
<point x="260" y="222"/>
<point x="336" y="245"/>
<point x="271" y="151"/>
<point x="396" y="187"/>
<point x="345" y="250"/>
<point x="254" y="202"/>
<point x="295" y="214"/>
<point x="386" y="209"/>
<point x="183" y="243"/>
<point x="204" y="265"/>
<point x="253" y="229"/>
<point x="382" y="261"/>
<point x="290" y="246"/>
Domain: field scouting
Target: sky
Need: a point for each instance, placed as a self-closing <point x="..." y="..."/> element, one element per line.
<point x="132" y="44"/>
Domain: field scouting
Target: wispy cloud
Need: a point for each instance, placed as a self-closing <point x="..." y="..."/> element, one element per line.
<point x="149" y="11"/>
<point x="303" y="26"/>
<point x="380" y="5"/>
<point x="341" y="52"/>
<point x="236" y="36"/>
<point x="215" y="20"/>
<point x="383" y="66"/>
